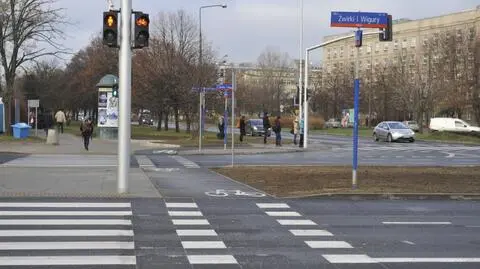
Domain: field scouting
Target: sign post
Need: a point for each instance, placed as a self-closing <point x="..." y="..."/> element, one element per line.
<point x="34" y="104"/>
<point x="358" y="20"/>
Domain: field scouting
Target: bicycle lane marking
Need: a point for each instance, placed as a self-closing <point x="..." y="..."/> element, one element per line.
<point x="235" y="193"/>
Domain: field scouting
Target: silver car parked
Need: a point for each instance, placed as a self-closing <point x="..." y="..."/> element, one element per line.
<point x="393" y="131"/>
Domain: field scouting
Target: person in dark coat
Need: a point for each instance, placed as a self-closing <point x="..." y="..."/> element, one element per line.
<point x="277" y="128"/>
<point x="243" y="128"/>
<point x="86" y="128"/>
<point x="47" y="121"/>
<point x="266" y="127"/>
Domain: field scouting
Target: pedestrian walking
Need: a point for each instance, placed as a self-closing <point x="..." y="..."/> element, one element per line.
<point x="60" y="118"/>
<point x="86" y="128"/>
<point x="295" y="130"/>
<point x="277" y="128"/>
<point x="243" y="130"/>
<point x="266" y="127"/>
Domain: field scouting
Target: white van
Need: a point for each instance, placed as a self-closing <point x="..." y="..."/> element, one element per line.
<point x="451" y="125"/>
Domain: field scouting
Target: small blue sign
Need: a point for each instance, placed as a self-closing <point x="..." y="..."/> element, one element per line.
<point x="358" y="19"/>
<point x="224" y="87"/>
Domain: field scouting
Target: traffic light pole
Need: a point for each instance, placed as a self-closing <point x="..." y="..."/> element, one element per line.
<point x="125" y="72"/>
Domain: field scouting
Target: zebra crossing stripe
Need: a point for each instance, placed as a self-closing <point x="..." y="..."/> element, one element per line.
<point x="64" y="205"/>
<point x="65" y="213"/>
<point x="67" y="260"/>
<point x="65" y="222"/>
<point x="65" y="245"/>
<point x="185" y="162"/>
<point x="38" y="233"/>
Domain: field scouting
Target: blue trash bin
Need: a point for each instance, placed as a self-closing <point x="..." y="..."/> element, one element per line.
<point x="21" y="130"/>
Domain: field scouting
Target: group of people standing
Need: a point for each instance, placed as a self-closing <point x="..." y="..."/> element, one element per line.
<point x="276" y="128"/>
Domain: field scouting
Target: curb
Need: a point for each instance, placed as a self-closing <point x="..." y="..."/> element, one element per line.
<point x="69" y="195"/>
<point x="391" y="196"/>
<point x="228" y="152"/>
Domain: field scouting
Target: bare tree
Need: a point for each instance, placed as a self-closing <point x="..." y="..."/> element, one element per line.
<point x="26" y="26"/>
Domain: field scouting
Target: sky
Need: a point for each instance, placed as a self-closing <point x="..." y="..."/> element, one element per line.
<point x="246" y="27"/>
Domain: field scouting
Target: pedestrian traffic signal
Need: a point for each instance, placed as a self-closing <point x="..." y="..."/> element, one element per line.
<point x="115" y="91"/>
<point x="110" y="29"/>
<point x="387" y="34"/>
<point x="142" y="23"/>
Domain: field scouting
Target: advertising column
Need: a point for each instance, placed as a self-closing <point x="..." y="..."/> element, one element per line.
<point x="107" y="114"/>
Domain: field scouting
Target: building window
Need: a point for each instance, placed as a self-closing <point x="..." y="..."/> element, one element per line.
<point x="395" y="44"/>
<point x="471" y="33"/>
<point x="351" y="51"/>
<point x="413" y="42"/>
<point x="369" y="48"/>
<point x="404" y="43"/>
<point x="425" y="60"/>
<point x="385" y="47"/>
<point x="377" y="47"/>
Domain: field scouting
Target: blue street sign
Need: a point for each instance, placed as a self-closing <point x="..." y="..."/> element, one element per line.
<point x="358" y="19"/>
<point x="224" y="87"/>
<point x="204" y="89"/>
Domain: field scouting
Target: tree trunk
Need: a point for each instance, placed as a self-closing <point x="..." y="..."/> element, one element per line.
<point x="188" y="122"/>
<point x="177" y="119"/>
<point x="159" y="123"/>
<point x="165" y="124"/>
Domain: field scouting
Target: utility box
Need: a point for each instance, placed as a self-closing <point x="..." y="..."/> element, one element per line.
<point x="108" y="109"/>
<point x="21" y="130"/>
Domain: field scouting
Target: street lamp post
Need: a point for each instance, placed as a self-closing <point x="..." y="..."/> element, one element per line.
<point x="200" y="60"/>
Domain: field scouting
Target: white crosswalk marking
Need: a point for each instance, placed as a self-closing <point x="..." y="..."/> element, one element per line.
<point x="41" y="228"/>
<point x="144" y="161"/>
<point x="185" y="162"/>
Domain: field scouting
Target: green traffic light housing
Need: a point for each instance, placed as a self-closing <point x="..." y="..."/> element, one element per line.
<point x="115" y="91"/>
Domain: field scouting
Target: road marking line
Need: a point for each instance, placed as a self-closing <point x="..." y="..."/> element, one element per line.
<point x="311" y="233"/>
<point x="67" y="260"/>
<point x="283" y="214"/>
<point x="416" y="223"/>
<point x="354" y="259"/>
<point x="427" y="260"/>
<point x="408" y="242"/>
<point x="185" y="213"/>
<point x="190" y="222"/>
<point x="115" y="205"/>
<point x="295" y="222"/>
<point x="65" y="213"/>
<point x="15" y="233"/>
<point x="203" y="244"/>
<point x="272" y="205"/>
<point x="347" y="258"/>
<point x="65" y="245"/>
<point x="144" y="161"/>
<point x="196" y="233"/>
<point x="185" y="162"/>
<point x="65" y="222"/>
<point x="211" y="259"/>
<point x="328" y="244"/>
<point x="182" y="205"/>
<point x="450" y="155"/>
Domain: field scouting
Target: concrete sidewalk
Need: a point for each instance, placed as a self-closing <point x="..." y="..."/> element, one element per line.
<point x="71" y="144"/>
<point x="72" y="182"/>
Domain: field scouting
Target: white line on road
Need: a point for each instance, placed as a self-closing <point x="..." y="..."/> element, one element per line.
<point x="65" y="213"/>
<point x="62" y="205"/>
<point x="181" y="205"/>
<point x="65" y="222"/>
<point x="295" y="222"/>
<point x="144" y="161"/>
<point x="211" y="259"/>
<point x="283" y="214"/>
<point x="328" y="244"/>
<point x="196" y="233"/>
<point x="311" y="233"/>
<point x="203" y="244"/>
<point x="417" y="223"/>
<point x="15" y="233"/>
<point x="65" y="245"/>
<point x="272" y="205"/>
<point x="450" y="155"/>
<point x="67" y="260"/>
<point x="357" y="259"/>
<point x="185" y="213"/>
<point x="185" y="162"/>
<point x="408" y="242"/>
<point x="190" y="222"/>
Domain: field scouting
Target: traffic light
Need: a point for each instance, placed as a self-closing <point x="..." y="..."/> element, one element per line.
<point x="115" y="91"/>
<point x="142" y="23"/>
<point x="110" y="29"/>
<point x="387" y="34"/>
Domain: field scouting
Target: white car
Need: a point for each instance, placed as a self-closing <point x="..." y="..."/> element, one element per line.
<point x="391" y="131"/>
<point x="452" y="125"/>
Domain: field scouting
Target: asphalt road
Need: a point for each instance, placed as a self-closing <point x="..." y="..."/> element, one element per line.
<point x="264" y="233"/>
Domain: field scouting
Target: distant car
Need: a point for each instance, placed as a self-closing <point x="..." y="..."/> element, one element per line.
<point x="255" y="127"/>
<point x="452" y="125"/>
<point x="333" y="123"/>
<point x="391" y="131"/>
<point x="145" y="120"/>
<point x="412" y="125"/>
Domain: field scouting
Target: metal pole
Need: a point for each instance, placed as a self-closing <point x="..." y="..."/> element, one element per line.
<point x="300" y="80"/>
<point x="355" y="124"/>
<point x="234" y="82"/>
<point x="125" y="74"/>
<point x="200" y="61"/>
<point x="305" y="108"/>
<point x="36" y="121"/>
<point x="225" y="128"/>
